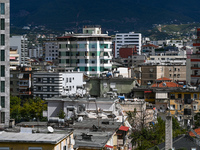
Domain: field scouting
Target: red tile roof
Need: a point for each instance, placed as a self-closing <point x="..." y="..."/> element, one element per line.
<point x="108" y="146"/>
<point x="150" y="45"/>
<point x="163" y="79"/>
<point x="168" y="84"/>
<point x="124" y="128"/>
<point x="196" y="130"/>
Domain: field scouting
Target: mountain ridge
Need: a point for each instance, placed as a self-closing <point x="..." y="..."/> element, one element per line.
<point x="112" y="15"/>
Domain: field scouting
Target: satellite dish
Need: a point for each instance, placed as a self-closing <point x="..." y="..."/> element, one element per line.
<point x="164" y="84"/>
<point x="50" y="129"/>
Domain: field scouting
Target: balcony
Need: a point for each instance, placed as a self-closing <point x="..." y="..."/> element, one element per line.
<point x="195" y="75"/>
<point x="120" y="142"/>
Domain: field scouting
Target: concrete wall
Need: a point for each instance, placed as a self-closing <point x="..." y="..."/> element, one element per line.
<point x="54" y="108"/>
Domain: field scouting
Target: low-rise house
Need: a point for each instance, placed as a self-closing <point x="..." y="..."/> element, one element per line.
<point x="104" y="86"/>
<point x="35" y="141"/>
<point x="101" y="134"/>
<point x="20" y="82"/>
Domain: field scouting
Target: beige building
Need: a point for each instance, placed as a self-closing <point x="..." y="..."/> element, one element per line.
<point x="149" y="73"/>
<point x="176" y="73"/>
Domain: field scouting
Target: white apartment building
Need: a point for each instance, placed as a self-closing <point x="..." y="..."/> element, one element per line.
<point x="89" y="52"/>
<point x="50" y="84"/>
<point x="4" y="59"/>
<point x="130" y="38"/>
<point x="51" y="50"/>
<point x="21" y="42"/>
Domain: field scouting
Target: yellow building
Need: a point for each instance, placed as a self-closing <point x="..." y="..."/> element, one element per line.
<point x="184" y="104"/>
<point x="35" y="141"/>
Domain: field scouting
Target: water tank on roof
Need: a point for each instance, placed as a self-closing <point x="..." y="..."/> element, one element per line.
<point x="109" y="74"/>
<point x="121" y="97"/>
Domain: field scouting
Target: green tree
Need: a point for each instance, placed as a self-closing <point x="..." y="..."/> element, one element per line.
<point x="27" y="109"/>
<point x="61" y="114"/>
<point x="152" y="135"/>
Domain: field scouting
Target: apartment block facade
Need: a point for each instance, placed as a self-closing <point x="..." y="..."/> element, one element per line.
<point x="4" y="59"/>
<point x="51" y="50"/>
<point x="89" y="52"/>
<point x="21" y="42"/>
<point x="50" y="84"/>
<point x="130" y="38"/>
<point x="193" y="62"/>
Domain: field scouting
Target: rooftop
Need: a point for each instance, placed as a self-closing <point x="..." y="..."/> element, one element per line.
<point x="31" y="137"/>
<point x="84" y="99"/>
<point x="88" y="134"/>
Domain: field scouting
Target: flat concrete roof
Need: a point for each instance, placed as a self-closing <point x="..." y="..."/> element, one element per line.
<point x="99" y="137"/>
<point x="74" y="99"/>
<point x="7" y="137"/>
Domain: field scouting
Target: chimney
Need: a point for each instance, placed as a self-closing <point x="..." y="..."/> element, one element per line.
<point x="168" y="133"/>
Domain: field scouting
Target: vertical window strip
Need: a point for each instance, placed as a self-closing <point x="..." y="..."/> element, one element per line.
<point x="2" y="101"/>
<point x="2" y="39"/>
<point x="2" y="55"/>
<point x="2" y="24"/>
<point x="2" y="71"/>
<point x="2" y="8"/>
<point x="2" y="86"/>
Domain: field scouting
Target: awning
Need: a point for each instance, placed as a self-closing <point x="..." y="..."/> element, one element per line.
<point x="147" y="91"/>
<point x="124" y="128"/>
<point x="109" y="146"/>
<point x="12" y="58"/>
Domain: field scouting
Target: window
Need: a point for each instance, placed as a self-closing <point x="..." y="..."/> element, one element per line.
<point x="2" y="24"/>
<point x="151" y="75"/>
<point x="195" y="107"/>
<point x="2" y="8"/>
<point x="2" y="117"/>
<point x="180" y="107"/>
<point x="2" y="71"/>
<point x="2" y="101"/>
<point x="2" y="86"/>
<point x="70" y="80"/>
<point x="2" y="55"/>
<point x="48" y="88"/>
<point x="39" y="88"/>
<point x="39" y="80"/>
<point x="48" y="80"/>
<point x="179" y="95"/>
<point x="2" y="39"/>
<point x="195" y="96"/>
<point x="172" y="96"/>
<point x="187" y="112"/>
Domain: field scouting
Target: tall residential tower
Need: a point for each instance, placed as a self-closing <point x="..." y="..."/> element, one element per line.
<point x="89" y="52"/>
<point x="4" y="62"/>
